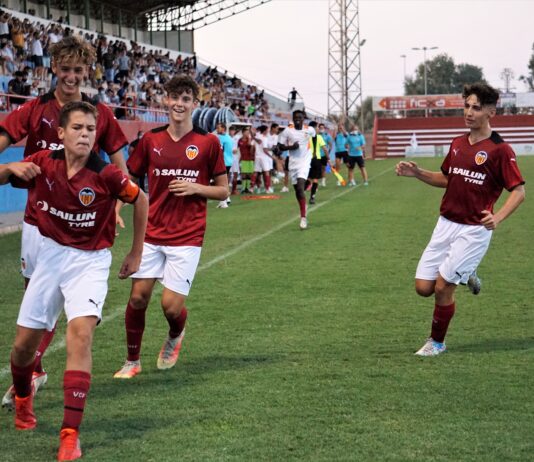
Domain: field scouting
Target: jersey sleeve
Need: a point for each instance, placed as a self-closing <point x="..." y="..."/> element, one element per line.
<point x="120" y="186"/>
<point x="137" y="163"/>
<point x="216" y="158"/>
<point x="16" y="124"/>
<point x="511" y="176"/>
<point x="445" y="166"/>
<point x="111" y="137"/>
<point x="283" y="137"/>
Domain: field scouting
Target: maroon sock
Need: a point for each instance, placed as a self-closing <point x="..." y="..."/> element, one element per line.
<point x="176" y="325"/>
<point x="135" y="326"/>
<point x="302" y="206"/>
<point x="75" y="388"/>
<point x="267" y="181"/>
<point x="45" y="341"/>
<point x="440" y="321"/>
<point x="22" y="379"/>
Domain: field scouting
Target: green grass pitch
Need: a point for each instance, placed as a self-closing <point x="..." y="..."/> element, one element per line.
<point x="299" y="344"/>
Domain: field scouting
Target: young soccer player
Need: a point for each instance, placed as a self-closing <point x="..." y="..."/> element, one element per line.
<point x="477" y="168"/>
<point x="296" y="140"/>
<point x="38" y="119"/>
<point x="247" y="154"/>
<point x="180" y="160"/>
<point x="74" y="193"/>
<point x="319" y="151"/>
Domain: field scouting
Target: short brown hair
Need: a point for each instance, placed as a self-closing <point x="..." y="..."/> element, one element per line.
<point x="74" y="106"/>
<point x="73" y="48"/>
<point x="182" y="84"/>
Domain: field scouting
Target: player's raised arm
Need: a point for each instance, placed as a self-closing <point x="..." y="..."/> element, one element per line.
<point x="410" y="168"/>
<point x="26" y="171"/>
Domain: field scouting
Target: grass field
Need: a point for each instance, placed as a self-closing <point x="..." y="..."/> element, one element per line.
<point x="299" y="345"/>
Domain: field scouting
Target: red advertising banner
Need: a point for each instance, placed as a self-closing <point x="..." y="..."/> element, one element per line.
<point x="417" y="102"/>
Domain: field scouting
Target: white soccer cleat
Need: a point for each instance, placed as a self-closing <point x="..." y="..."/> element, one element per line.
<point x="284" y="189"/>
<point x="269" y="191"/>
<point x="431" y="348"/>
<point x="474" y="283"/>
<point x="222" y="205"/>
<point x="170" y="351"/>
<point x="303" y="223"/>
<point x="38" y="380"/>
<point x="129" y="370"/>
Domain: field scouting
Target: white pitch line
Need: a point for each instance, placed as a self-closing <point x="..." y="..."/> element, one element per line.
<point x="60" y="344"/>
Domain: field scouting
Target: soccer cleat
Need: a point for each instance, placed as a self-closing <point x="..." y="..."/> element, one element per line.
<point x="339" y="183"/>
<point x="303" y="223"/>
<point x="170" y="351"/>
<point x="129" y="370"/>
<point x="431" y="348"/>
<point x="222" y="205"/>
<point x="284" y="189"/>
<point x="69" y="445"/>
<point x="312" y="200"/>
<point x="24" y="417"/>
<point x="38" y="380"/>
<point x="474" y="283"/>
<point x="269" y="190"/>
<point x="323" y="182"/>
<point x="352" y="183"/>
<point x="366" y="183"/>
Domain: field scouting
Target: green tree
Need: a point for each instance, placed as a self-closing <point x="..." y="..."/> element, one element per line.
<point x="529" y="78"/>
<point x="443" y="77"/>
<point x="354" y="118"/>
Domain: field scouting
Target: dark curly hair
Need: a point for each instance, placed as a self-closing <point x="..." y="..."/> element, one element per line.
<point x="182" y="84"/>
<point x="486" y="94"/>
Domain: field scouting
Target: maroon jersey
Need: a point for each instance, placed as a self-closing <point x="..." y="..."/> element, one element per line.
<point x="476" y="176"/>
<point x="245" y="149"/>
<point x="197" y="157"/>
<point x="77" y="212"/>
<point x="39" y="120"/>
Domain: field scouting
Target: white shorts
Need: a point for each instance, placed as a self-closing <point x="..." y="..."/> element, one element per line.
<point x="235" y="164"/>
<point x="173" y="266"/>
<point x="263" y="163"/>
<point x="454" y="251"/>
<point x="299" y="169"/>
<point x="31" y="242"/>
<point x="65" y="277"/>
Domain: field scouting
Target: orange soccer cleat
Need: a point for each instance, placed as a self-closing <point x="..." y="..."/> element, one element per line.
<point x="69" y="445"/>
<point x="24" y="417"/>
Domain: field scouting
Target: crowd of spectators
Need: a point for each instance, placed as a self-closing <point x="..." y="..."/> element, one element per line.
<point x="125" y="74"/>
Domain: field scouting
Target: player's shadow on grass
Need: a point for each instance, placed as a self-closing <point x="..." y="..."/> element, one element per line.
<point x="489" y="345"/>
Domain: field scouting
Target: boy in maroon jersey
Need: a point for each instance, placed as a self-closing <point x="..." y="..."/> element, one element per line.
<point x="180" y="161"/>
<point x="75" y="194"/>
<point x="38" y="120"/>
<point x="477" y="168"/>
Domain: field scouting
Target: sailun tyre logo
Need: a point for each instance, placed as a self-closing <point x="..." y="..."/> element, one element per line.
<point x="191" y="152"/>
<point x="481" y="157"/>
<point x="86" y="196"/>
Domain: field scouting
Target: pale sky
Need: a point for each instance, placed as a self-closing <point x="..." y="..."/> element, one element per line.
<point x="284" y="43"/>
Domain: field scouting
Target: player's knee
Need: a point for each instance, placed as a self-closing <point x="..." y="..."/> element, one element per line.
<point x="139" y="301"/>
<point x="22" y="353"/>
<point x="424" y="288"/>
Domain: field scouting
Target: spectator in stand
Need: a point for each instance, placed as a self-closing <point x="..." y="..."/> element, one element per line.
<point x="292" y="97"/>
<point x="8" y="57"/>
<point x="17" y="86"/>
<point x="37" y="55"/>
<point x="4" y="26"/>
<point x="108" y="62"/>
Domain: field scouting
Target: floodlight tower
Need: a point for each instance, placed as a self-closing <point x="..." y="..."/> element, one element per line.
<point x="344" y="60"/>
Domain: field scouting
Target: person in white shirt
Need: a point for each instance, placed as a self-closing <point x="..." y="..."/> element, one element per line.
<point x="296" y="141"/>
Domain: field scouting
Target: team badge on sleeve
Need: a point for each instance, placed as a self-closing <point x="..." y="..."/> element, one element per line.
<point x="481" y="157"/>
<point x="86" y="196"/>
<point x="191" y="151"/>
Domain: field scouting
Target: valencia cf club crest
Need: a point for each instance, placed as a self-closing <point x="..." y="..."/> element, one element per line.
<point x="481" y="157"/>
<point x="86" y="196"/>
<point x="191" y="151"/>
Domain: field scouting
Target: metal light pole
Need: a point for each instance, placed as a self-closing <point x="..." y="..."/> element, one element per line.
<point x="403" y="68"/>
<point x="424" y="69"/>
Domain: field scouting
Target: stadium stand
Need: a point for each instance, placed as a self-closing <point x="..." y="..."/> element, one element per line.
<point x="433" y="135"/>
